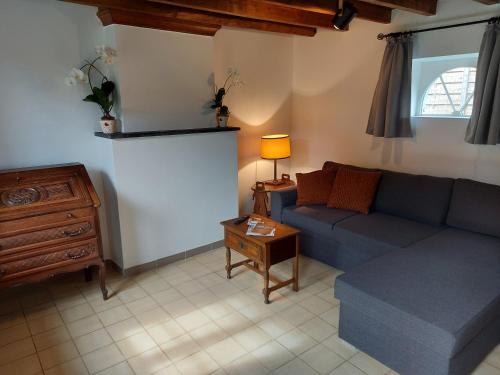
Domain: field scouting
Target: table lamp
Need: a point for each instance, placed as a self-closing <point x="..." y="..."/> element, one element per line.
<point x="275" y="147"/>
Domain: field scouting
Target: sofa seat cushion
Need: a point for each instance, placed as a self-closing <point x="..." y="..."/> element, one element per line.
<point x="379" y="233"/>
<point x="441" y="291"/>
<point x="314" y="219"/>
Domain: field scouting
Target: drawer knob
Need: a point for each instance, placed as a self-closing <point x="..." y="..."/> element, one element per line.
<point x="82" y="253"/>
<point x="69" y="215"/>
<point x="242" y="244"/>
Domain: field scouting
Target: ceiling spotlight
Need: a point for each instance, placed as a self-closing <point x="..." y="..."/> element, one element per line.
<point x="343" y="16"/>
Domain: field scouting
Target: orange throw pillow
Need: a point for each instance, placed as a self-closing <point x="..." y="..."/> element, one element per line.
<point x="314" y="187"/>
<point x="354" y="190"/>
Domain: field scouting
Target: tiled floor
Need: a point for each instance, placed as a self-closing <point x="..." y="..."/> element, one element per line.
<point x="184" y="318"/>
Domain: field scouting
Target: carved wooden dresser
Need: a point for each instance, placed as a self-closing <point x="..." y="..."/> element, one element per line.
<point x="49" y="224"/>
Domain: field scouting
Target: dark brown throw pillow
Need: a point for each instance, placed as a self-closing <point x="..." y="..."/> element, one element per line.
<point x="354" y="190"/>
<point x="314" y="187"/>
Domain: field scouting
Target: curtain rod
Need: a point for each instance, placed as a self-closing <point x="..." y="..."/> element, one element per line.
<point x="403" y="33"/>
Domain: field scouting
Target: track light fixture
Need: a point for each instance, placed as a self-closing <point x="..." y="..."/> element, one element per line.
<point x="343" y="16"/>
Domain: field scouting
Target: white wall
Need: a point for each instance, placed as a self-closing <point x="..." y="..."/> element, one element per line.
<point x="334" y="78"/>
<point x="42" y="121"/>
<point x="263" y="105"/>
<point x="163" y="78"/>
<point x="173" y="192"/>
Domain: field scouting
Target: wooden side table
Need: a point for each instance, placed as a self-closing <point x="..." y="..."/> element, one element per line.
<point x="263" y="252"/>
<point x="261" y="198"/>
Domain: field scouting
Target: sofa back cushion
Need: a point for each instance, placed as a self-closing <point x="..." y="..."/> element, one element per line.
<point x="421" y="198"/>
<point x="475" y="206"/>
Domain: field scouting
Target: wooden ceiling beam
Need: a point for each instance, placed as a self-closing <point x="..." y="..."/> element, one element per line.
<point x="424" y="7"/>
<point x="488" y="2"/>
<point x="121" y="17"/>
<point x="263" y="10"/>
<point x="196" y="16"/>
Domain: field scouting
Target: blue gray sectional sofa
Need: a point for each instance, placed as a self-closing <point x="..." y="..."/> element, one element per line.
<point x="421" y="292"/>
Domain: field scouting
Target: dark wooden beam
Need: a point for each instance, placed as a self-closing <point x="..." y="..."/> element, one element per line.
<point x="197" y="16"/>
<point x="488" y="2"/>
<point x="263" y="10"/>
<point x="121" y="17"/>
<point x="425" y="7"/>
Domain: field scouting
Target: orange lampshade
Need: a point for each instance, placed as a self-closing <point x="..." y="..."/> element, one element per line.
<point x="276" y="146"/>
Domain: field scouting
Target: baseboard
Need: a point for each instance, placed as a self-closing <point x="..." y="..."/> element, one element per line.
<point x="163" y="261"/>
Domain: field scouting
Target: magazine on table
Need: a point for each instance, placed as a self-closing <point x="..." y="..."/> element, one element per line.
<point x="257" y="227"/>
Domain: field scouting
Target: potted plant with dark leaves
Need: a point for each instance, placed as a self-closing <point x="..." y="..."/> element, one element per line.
<point x="222" y="113"/>
<point x="102" y="94"/>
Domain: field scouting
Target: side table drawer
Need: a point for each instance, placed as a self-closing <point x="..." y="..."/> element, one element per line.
<point x="243" y="246"/>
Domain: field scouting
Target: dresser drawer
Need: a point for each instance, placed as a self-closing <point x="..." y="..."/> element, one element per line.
<point x="27" y="240"/>
<point x="46" y="259"/>
<point x="29" y="194"/>
<point x="243" y="246"/>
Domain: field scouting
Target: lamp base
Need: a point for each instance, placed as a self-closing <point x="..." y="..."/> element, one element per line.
<point x="275" y="182"/>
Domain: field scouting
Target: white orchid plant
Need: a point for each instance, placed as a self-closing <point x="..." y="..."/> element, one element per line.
<point x="233" y="79"/>
<point x="103" y="95"/>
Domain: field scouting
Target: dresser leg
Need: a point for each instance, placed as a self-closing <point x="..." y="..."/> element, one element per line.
<point x="88" y="274"/>
<point x="266" y="285"/>
<point x="228" y="262"/>
<point x="102" y="281"/>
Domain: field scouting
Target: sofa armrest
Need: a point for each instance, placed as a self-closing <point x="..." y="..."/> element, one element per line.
<point x="281" y="199"/>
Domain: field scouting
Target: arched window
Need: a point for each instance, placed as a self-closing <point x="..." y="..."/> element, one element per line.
<point x="451" y="94"/>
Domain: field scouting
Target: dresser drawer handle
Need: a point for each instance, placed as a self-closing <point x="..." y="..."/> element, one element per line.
<point x="242" y="245"/>
<point x="82" y="253"/>
<point x="77" y="232"/>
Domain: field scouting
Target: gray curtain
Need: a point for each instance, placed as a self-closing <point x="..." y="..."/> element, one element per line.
<point x="484" y="124"/>
<point x="391" y="106"/>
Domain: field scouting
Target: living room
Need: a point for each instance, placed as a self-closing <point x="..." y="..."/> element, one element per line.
<point x="249" y="187"/>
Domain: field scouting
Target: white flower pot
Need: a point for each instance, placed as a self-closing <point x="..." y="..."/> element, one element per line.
<point x="108" y="126"/>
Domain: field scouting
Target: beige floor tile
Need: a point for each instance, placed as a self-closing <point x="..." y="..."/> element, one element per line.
<point x="45" y="323"/>
<point x="296" y="315"/>
<point x="103" y="358"/>
<point x="131" y="294"/>
<point x="12" y="334"/>
<point x="494" y="357"/>
<point x="275" y="326"/>
<point x="16" y="350"/>
<point x="58" y="354"/>
<point x="166" y="331"/>
<point x="208" y="335"/>
<point x="296" y="341"/>
<point x="190" y="287"/>
<point x="226" y="351"/>
<point x="142" y="305"/>
<point x="153" y="317"/>
<point x="180" y="307"/>
<point x="50" y="338"/>
<point x="238" y="301"/>
<point x="83" y="326"/>
<point x="180" y="347"/>
<point x="339" y="346"/>
<point x="331" y="316"/>
<point x="73" y="367"/>
<point x="318" y="329"/>
<point x="210" y="280"/>
<point x="122" y="368"/>
<point x="316" y="305"/>
<point x="24" y="366"/>
<point x="252" y="338"/>
<point x="246" y="365"/>
<point x="192" y="320"/>
<point x="124" y="329"/>
<point x="328" y="296"/>
<point x="234" y="323"/>
<point x="93" y="341"/>
<point x="69" y="301"/>
<point x="149" y="362"/>
<point x="273" y="355"/>
<point x="256" y="311"/>
<point x="486" y="369"/>
<point x="77" y="312"/>
<point x="224" y="290"/>
<point x="368" y="364"/>
<point x="114" y="315"/>
<point x="100" y="304"/>
<point x="322" y="359"/>
<point x="203" y="298"/>
<point x="11" y="320"/>
<point x="155" y="286"/>
<point x="170" y="370"/>
<point x="197" y="364"/>
<point x="295" y="367"/>
<point x="167" y="296"/>
<point x="347" y="369"/>
<point x="136" y="344"/>
<point x="39" y="311"/>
